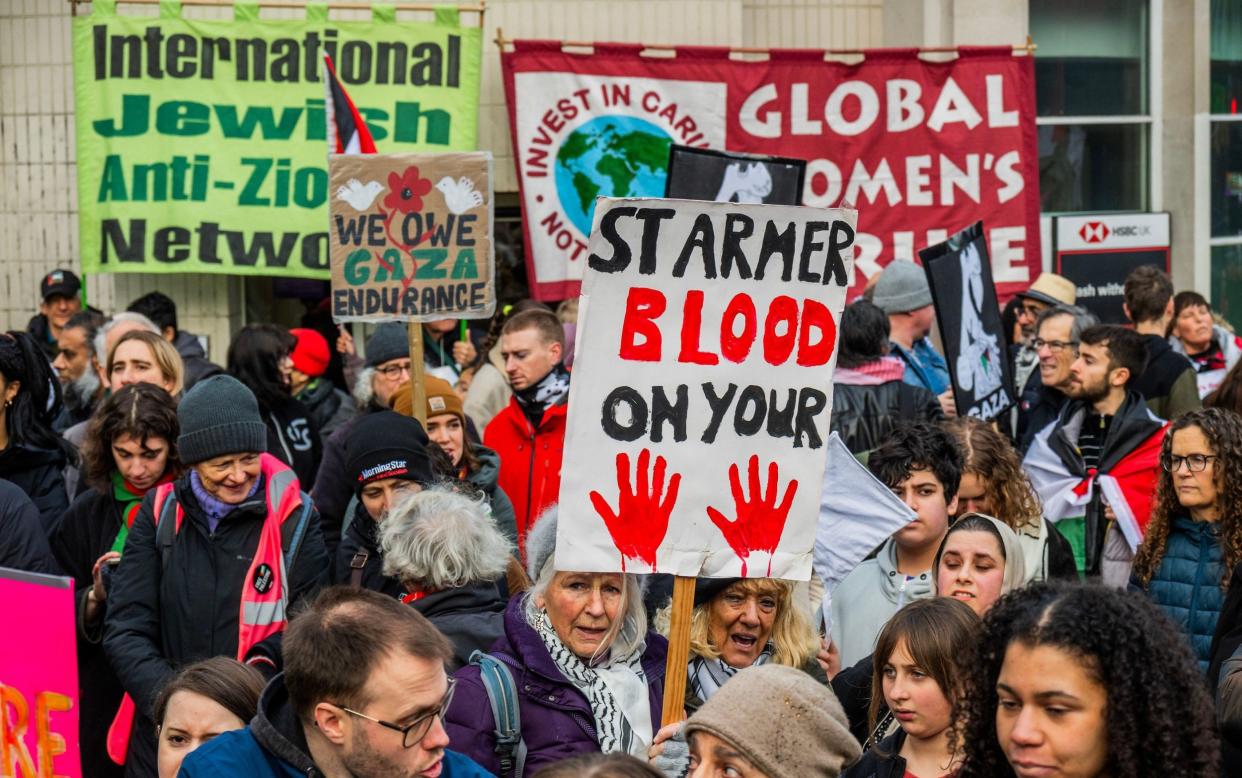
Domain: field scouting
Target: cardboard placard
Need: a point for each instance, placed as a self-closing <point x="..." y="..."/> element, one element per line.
<point x="728" y="177"/>
<point x="699" y="408"/>
<point x="38" y="676"/>
<point x="410" y="237"/>
<point x="960" y="277"/>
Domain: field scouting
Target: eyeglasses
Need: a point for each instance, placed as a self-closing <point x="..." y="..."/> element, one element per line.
<point x="1031" y="310"/>
<point x="1055" y="346"/>
<point x="1196" y="463"/>
<point x="393" y="372"/>
<point x="416" y="730"/>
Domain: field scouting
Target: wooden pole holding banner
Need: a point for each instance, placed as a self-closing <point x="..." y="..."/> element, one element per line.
<point x="678" y="650"/>
<point x="419" y="392"/>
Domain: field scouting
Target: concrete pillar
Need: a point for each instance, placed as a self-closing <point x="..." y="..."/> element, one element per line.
<point x="955" y="22"/>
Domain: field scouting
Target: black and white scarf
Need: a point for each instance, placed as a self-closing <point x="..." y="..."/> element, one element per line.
<point x="616" y="733"/>
<point x="708" y="675"/>
<point x="534" y="400"/>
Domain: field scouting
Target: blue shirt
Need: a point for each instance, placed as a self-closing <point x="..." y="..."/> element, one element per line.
<point x="924" y="367"/>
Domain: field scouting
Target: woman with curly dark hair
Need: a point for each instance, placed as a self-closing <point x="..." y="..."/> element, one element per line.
<point x="130" y="448"/>
<point x="1078" y="680"/>
<point x="1194" y="538"/>
<point x="994" y="484"/>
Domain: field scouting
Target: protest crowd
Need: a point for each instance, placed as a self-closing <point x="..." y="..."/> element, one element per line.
<point x="756" y="438"/>
<point x="277" y="573"/>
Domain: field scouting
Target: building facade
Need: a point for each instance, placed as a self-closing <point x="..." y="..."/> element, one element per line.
<point x="1137" y="103"/>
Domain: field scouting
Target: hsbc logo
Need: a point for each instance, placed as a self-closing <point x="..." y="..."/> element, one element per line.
<point x="1093" y="232"/>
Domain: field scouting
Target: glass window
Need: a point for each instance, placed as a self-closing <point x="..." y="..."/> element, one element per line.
<point x="1091" y="57"/>
<point x="1226" y="34"/>
<point x="1092" y="167"/>
<point x="1226" y="179"/>
<point x="1227" y="281"/>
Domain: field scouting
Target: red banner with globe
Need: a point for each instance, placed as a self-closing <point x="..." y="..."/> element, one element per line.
<point x="921" y="148"/>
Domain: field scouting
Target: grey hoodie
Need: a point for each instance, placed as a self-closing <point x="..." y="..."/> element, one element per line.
<point x="868" y="597"/>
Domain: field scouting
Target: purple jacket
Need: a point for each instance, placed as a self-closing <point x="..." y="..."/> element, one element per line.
<point x="556" y="718"/>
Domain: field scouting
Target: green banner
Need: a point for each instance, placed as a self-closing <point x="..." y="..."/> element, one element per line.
<point x="202" y="145"/>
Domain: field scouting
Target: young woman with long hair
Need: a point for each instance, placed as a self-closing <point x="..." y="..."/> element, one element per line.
<point x="994" y="484"/>
<point x="1078" y="680"/>
<point x="1194" y="537"/>
<point x="130" y="448"/>
<point x="916" y="683"/>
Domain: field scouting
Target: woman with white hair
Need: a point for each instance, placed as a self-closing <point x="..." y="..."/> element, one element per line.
<point x="589" y="674"/>
<point x="448" y="555"/>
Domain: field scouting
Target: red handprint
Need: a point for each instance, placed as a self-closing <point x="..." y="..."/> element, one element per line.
<point x="760" y="521"/>
<point x="639" y="524"/>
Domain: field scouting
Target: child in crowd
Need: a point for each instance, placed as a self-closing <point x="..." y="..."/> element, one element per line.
<point x="923" y="466"/>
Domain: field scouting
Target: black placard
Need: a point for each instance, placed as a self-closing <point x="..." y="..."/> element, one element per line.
<point x="720" y="176"/>
<point x="959" y="272"/>
<point x="1099" y="277"/>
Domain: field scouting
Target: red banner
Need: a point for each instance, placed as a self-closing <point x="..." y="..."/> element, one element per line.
<point x="922" y="149"/>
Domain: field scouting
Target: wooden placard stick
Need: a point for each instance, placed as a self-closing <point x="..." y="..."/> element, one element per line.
<point x="678" y="650"/>
<point x="419" y="395"/>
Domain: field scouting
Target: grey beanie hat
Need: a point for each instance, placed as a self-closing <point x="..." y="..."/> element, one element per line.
<point x="787" y="725"/>
<point x="541" y="542"/>
<point x="219" y="416"/>
<point x="902" y="287"/>
<point x="389" y="341"/>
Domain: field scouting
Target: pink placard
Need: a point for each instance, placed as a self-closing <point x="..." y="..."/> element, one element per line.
<point x="38" y="677"/>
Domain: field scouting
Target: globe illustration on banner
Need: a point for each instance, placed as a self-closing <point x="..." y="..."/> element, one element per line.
<point x="610" y="156"/>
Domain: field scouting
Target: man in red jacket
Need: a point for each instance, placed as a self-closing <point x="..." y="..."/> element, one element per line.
<point x="529" y="434"/>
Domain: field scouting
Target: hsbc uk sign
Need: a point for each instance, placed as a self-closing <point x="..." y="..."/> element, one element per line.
<point x="1096" y="253"/>
<point x="1121" y="231"/>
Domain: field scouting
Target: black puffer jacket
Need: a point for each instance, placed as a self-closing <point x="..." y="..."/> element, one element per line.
<point x="86" y="533"/>
<point x="40" y="474"/>
<point x="164" y="616"/>
<point x="23" y="544"/>
<point x="864" y="415"/>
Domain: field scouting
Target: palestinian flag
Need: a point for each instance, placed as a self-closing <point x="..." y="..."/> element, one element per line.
<point x="347" y="132"/>
<point x="1128" y="487"/>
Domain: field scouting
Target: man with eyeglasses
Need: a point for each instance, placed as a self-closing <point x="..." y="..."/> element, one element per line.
<point x="1057" y="331"/>
<point x="362" y="696"/>
<point x="1095" y="467"/>
<point x="1049" y="290"/>
<point x="387" y="367"/>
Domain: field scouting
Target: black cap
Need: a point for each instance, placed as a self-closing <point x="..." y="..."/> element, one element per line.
<point x="61" y="282"/>
<point x="384" y="444"/>
<point x="706" y="589"/>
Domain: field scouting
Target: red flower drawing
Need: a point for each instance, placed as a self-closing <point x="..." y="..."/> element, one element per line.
<point x="405" y="191"/>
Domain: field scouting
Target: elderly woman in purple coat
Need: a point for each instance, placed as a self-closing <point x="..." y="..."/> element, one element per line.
<point x="588" y="673"/>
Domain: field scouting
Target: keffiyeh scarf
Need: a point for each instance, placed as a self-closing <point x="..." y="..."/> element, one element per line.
<point x="708" y="675"/>
<point x="534" y="400"/>
<point x="620" y="676"/>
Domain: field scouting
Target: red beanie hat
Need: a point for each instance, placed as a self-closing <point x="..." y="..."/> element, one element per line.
<point x="311" y="354"/>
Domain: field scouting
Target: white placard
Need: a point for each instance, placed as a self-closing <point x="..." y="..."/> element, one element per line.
<point x="702" y="387"/>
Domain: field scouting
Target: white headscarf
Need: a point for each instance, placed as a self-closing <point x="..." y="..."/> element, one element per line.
<point x="1015" y="563"/>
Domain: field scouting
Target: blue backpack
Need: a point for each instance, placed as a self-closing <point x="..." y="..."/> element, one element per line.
<point x="502" y="694"/>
